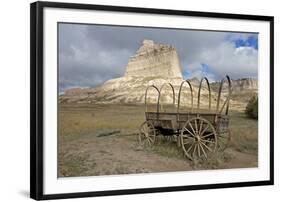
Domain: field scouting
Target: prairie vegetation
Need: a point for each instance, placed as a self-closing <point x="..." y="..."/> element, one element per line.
<point x="253" y="107"/>
<point x="102" y="140"/>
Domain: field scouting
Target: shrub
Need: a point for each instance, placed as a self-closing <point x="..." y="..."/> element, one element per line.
<point x="252" y="107"/>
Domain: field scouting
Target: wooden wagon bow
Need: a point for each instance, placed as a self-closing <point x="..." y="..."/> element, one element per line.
<point x="218" y="110"/>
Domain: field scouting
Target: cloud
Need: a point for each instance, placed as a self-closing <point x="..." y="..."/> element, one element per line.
<point x="226" y="58"/>
<point x="89" y="55"/>
<point x="244" y="40"/>
<point x="84" y="62"/>
<point x="200" y="70"/>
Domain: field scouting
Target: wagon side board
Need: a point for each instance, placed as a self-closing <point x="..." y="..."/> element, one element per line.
<point x="175" y="121"/>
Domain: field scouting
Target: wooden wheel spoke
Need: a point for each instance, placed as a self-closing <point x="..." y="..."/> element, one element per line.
<point x="198" y="149"/>
<point x="190" y="148"/>
<point x="207" y="146"/>
<point x="208" y="141"/>
<point x="189" y="132"/>
<point x="196" y="126"/>
<point x="208" y="135"/>
<point x="205" y="129"/>
<point x="149" y="139"/>
<point x="203" y="150"/>
<point x="141" y="130"/>
<point x="142" y="134"/>
<point x="189" y="139"/>
<point x="192" y="128"/>
<point x="200" y="127"/>
<point x="194" y="150"/>
<point x="185" y="136"/>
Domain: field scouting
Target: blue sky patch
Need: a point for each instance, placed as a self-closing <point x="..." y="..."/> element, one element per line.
<point x="251" y="41"/>
<point x="205" y="68"/>
<point x="186" y="74"/>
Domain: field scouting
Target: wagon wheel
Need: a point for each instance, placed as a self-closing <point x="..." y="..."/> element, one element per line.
<point x="198" y="138"/>
<point x="223" y="140"/>
<point x="147" y="134"/>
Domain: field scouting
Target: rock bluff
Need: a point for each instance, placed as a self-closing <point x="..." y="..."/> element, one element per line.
<point x="154" y="59"/>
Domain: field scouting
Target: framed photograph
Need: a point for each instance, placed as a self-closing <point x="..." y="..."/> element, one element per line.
<point x="131" y="100"/>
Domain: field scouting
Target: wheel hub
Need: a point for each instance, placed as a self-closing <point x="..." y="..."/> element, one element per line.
<point x="146" y="134"/>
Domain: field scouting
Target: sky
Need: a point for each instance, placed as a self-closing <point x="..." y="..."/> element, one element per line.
<point x="89" y="55"/>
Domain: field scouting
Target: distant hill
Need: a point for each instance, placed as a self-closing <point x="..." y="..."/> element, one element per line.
<point x="242" y="89"/>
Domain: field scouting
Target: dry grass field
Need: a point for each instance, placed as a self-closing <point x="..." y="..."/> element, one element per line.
<point x="102" y="140"/>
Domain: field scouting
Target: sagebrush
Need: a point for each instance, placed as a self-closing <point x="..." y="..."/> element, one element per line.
<point x="252" y="107"/>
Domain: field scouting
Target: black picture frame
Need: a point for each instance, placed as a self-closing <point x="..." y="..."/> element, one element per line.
<point x="36" y="98"/>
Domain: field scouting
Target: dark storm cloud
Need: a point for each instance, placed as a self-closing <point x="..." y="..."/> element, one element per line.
<point x="91" y="54"/>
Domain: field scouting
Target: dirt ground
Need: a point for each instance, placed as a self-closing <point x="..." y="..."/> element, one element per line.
<point x="102" y="140"/>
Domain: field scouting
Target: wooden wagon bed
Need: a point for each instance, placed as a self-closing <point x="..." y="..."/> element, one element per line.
<point x="199" y="133"/>
<point x="175" y="121"/>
